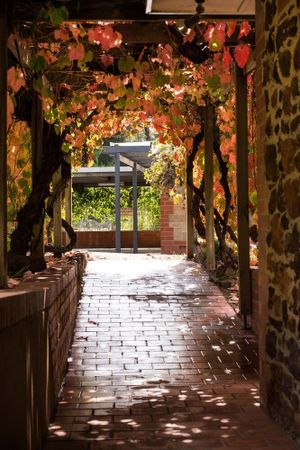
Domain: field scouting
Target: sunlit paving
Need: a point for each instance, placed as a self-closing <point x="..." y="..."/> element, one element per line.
<point x="159" y="360"/>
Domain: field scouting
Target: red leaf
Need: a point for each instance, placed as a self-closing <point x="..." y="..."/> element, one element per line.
<point x="227" y="59"/>
<point x="242" y="54"/>
<point x="216" y="36"/>
<point x="244" y="30"/>
<point x="190" y="36"/>
<point x="105" y="36"/>
<point x="165" y="53"/>
<point x="231" y="26"/>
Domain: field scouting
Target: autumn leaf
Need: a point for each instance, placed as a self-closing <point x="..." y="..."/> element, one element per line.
<point x="165" y="54"/>
<point x="76" y="52"/>
<point x="227" y="59"/>
<point x="244" y="30"/>
<point x="242" y="54"/>
<point x="10" y="110"/>
<point x="105" y="36"/>
<point x="15" y="79"/>
<point x="48" y="56"/>
<point x="136" y="83"/>
<point x="61" y="34"/>
<point x="231" y="26"/>
<point x="215" y="35"/>
<point x="189" y="36"/>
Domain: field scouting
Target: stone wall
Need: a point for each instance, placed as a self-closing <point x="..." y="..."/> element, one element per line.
<point x="36" y="327"/>
<point x="280" y="147"/>
<point x="172" y="226"/>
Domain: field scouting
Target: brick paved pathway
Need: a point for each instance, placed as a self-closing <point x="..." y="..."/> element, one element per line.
<point x="159" y="360"/>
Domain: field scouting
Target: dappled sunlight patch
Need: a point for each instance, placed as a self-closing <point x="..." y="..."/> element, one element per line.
<point x="95" y="422"/>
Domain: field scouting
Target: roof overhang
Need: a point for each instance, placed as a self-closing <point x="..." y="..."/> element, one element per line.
<point x="212" y="8"/>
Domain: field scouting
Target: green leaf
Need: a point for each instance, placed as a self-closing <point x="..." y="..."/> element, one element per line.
<point x="57" y="129"/>
<point x="27" y="190"/>
<point x="22" y="183"/>
<point x="89" y="56"/>
<point x="120" y="91"/>
<point x="213" y="82"/>
<point x="66" y="147"/>
<point x="62" y="62"/>
<point x="58" y="15"/>
<point x="120" y="104"/>
<point x="43" y="14"/>
<point x="26" y="174"/>
<point x="37" y="84"/>
<point x="178" y="120"/>
<point x="37" y="63"/>
<point x="253" y="198"/>
<point x="160" y="79"/>
<point x="126" y="64"/>
<point x="21" y="163"/>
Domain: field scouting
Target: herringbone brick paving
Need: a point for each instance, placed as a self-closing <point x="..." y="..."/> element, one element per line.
<point x="159" y="360"/>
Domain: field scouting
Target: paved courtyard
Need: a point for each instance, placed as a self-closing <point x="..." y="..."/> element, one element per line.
<point x="159" y="360"/>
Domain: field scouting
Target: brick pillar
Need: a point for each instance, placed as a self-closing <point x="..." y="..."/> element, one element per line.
<point x="172" y="227"/>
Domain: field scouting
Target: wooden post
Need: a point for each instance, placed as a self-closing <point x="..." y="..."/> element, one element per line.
<point x="118" y="202"/>
<point x="37" y="242"/>
<point x="189" y="215"/>
<point x="135" y="209"/>
<point x="3" y="145"/>
<point x="57" y="214"/>
<point x="242" y="192"/>
<point x="209" y="120"/>
<point x="68" y="196"/>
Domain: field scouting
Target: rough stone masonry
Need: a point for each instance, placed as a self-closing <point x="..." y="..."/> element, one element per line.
<point x="281" y="81"/>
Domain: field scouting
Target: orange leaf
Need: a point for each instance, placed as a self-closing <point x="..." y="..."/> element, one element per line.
<point x="76" y="52"/>
<point x="231" y="26"/>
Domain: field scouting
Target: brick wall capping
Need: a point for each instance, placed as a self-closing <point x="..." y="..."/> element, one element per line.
<point x="39" y="292"/>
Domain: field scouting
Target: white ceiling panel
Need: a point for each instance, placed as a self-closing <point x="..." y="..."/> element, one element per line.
<point x="212" y="7"/>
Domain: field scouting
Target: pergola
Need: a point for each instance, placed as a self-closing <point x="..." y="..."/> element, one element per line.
<point x="135" y="159"/>
<point x="142" y="22"/>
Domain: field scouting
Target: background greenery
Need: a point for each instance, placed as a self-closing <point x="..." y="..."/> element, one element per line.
<point x="98" y="206"/>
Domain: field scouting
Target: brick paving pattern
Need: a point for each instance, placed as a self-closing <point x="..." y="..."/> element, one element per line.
<point x="159" y="360"/>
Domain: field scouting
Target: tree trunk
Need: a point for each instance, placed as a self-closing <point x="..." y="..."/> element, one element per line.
<point x="34" y="208"/>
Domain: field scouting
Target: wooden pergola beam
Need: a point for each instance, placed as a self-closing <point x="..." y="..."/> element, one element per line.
<point x="209" y="121"/>
<point x="57" y="223"/>
<point x="3" y="144"/>
<point x="189" y="214"/>
<point x="135" y="208"/>
<point x="118" y="203"/>
<point x="131" y="163"/>
<point x="37" y="242"/>
<point x="68" y="196"/>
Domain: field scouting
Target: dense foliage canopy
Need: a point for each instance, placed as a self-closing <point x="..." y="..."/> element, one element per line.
<point x="92" y="85"/>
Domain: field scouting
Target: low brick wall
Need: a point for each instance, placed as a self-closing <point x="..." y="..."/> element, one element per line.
<point x="106" y="239"/>
<point x="36" y="327"/>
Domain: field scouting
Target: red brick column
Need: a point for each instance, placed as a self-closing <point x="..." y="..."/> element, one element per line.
<point x="172" y="227"/>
